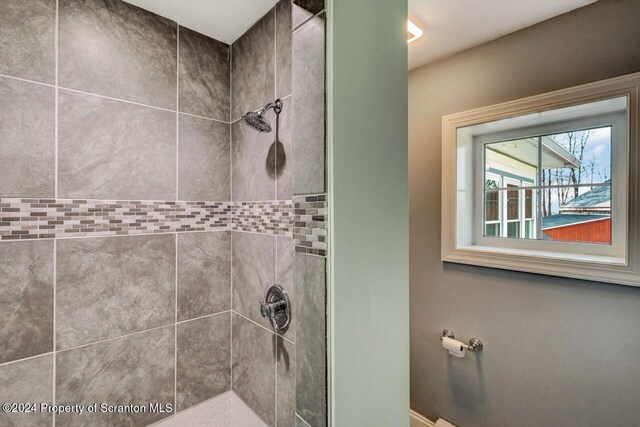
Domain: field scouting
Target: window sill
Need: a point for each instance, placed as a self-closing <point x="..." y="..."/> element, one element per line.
<point x="585" y="267"/>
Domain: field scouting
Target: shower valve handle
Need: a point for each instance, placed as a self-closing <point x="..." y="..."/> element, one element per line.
<point x="277" y="308"/>
<point x="270" y="309"/>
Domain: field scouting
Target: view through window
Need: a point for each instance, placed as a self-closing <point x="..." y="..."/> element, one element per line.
<point x="550" y="187"/>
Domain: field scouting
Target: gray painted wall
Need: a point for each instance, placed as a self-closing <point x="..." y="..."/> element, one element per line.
<point x="559" y="352"/>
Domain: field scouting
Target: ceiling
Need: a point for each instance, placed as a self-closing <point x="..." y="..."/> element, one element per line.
<point x="451" y="26"/>
<point x="224" y="20"/>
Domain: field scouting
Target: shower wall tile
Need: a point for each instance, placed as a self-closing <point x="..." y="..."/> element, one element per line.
<point x="310" y="226"/>
<point x="254" y="367"/>
<point x="27" y="132"/>
<point x="112" y="48"/>
<point x="203" y="359"/>
<point x="253" y="164"/>
<point x="309" y="107"/>
<point x="285" y="277"/>
<point x="203" y="169"/>
<point x="311" y="349"/>
<point x="26" y="301"/>
<point x="111" y="286"/>
<point x="283" y="48"/>
<point x="286" y="383"/>
<point x="204" y="274"/>
<point x="305" y="9"/>
<point x="115" y="150"/>
<point x="27" y="381"/>
<point x="137" y="369"/>
<point x="204" y="76"/>
<point x="27" y="39"/>
<point x="252" y="67"/>
<point x="284" y="161"/>
<point x="300" y="422"/>
<point x="254" y="264"/>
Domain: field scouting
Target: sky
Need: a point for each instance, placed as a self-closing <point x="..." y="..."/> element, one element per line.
<point x="598" y="150"/>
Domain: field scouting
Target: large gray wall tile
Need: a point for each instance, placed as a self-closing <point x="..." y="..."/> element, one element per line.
<point x="254" y="264"/>
<point x="204" y="76"/>
<point x="115" y="150"/>
<point x="305" y="9"/>
<point x="285" y="273"/>
<point x="254" y="367"/>
<point x="112" y="48"/>
<point x="311" y="349"/>
<point x="26" y="300"/>
<point x="112" y="286"/>
<point x="27" y="381"/>
<point x="253" y="168"/>
<point x="285" y="162"/>
<point x="252" y="67"/>
<point x="204" y="274"/>
<point x="203" y="359"/>
<point x="138" y="369"/>
<point x="309" y="107"/>
<point x="283" y="48"/>
<point x="27" y="139"/>
<point x="204" y="170"/>
<point x="286" y="382"/>
<point x="27" y="39"/>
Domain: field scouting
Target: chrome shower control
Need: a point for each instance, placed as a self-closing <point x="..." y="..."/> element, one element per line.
<point x="277" y="308"/>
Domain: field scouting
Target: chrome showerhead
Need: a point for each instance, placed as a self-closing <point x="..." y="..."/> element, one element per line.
<point x="256" y="119"/>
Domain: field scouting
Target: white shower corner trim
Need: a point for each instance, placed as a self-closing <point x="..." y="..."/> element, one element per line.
<point x="224" y="410"/>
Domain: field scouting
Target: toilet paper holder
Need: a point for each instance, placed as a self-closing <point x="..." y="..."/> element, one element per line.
<point x="475" y="345"/>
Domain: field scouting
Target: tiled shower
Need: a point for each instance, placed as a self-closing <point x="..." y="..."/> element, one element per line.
<point x="141" y="221"/>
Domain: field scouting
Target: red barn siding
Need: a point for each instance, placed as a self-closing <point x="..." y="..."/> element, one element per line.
<point x="598" y="231"/>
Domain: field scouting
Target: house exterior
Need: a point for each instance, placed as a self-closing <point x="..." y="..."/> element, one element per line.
<point x="587" y="218"/>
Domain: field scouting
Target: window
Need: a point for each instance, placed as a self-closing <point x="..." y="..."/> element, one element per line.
<point x="546" y="184"/>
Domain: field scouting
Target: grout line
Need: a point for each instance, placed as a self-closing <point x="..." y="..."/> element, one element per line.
<point x="275" y="96"/>
<point x="203" y="117"/>
<point x="175" y="334"/>
<point x="24" y="359"/>
<point x="168" y="325"/>
<point x="263" y="327"/>
<point x="177" y="114"/>
<point x="302" y="419"/>
<point x="306" y="21"/>
<point x="175" y="331"/>
<point x="56" y="98"/>
<point x="56" y="183"/>
<point x="122" y="100"/>
<point x="27" y="80"/>
<point x="116" y="99"/>
<point x="232" y="217"/>
<point x="98" y="236"/>
<point x="55" y="323"/>
<point x="203" y="317"/>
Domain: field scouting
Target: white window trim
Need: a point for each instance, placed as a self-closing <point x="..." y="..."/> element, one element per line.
<point x="459" y="244"/>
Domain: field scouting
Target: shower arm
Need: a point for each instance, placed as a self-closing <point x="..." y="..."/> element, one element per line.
<point x="276" y="105"/>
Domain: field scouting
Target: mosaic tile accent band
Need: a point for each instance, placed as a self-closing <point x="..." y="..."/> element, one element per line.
<point x="32" y="218"/>
<point x="273" y="217"/>
<point x="59" y="218"/>
<point x="310" y="226"/>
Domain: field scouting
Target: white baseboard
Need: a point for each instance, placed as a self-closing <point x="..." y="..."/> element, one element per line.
<point x="417" y="420"/>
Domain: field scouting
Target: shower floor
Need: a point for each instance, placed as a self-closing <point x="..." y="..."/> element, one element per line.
<point x="225" y="410"/>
